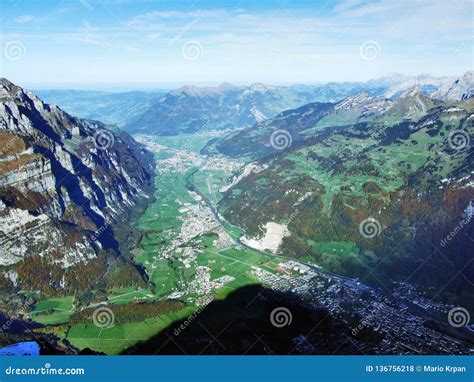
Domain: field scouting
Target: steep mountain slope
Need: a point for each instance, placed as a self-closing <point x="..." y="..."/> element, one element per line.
<point x="111" y="108"/>
<point x="64" y="182"/>
<point x="367" y="187"/>
<point x="192" y="108"/>
<point x="336" y="91"/>
<point x="293" y="127"/>
<point x="460" y="88"/>
<point x="396" y="83"/>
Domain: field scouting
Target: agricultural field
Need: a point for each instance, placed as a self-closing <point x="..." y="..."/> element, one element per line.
<point x="162" y="221"/>
<point x="128" y="295"/>
<point x="209" y="182"/>
<point x="53" y="311"/>
<point x="115" y="339"/>
<point x="170" y="278"/>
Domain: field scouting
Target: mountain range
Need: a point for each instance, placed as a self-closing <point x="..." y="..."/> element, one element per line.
<point x="65" y="182"/>
<point x="369" y="187"/>
<point x="192" y="109"/>
<point x="461" y="88"/>
<point x="365" y="185"/>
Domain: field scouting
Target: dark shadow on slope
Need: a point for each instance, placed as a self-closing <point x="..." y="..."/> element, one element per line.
<point x="242" y="324"/>
<point x="70" y="182"/>
<point x="39" y="123"/>
<point x="81" y="170"/>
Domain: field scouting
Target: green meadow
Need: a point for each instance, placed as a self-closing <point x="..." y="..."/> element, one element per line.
<point x="53" y="311"/>
<point x="115" y="339"/>
<point x="159" y="226"/>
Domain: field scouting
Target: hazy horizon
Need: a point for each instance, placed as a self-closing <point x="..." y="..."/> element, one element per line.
<point x="167" y="86"/>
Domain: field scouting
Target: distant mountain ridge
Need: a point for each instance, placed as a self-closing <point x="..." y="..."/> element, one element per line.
<point x="461" y="88"/>
<point x="191" y="108"/>
<point x="426" y="83"/>
<point x="227" y="106"/>
<point x="312" y="119"/>
<point x="108" y="107"/>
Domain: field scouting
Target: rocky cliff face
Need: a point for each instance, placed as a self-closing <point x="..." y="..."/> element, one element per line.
<point x="64" y="181"/>
<point x="459" y="89"/>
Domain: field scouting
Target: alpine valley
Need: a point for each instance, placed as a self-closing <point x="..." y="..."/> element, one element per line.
<point x="306" y="219"/>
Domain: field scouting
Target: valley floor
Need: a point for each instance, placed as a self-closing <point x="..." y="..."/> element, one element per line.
<point x="192" y="255"/>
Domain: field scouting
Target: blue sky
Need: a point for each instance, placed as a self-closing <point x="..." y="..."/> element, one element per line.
<point x="149" y="43"/>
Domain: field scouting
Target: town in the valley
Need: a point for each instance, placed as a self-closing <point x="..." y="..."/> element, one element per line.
<point x="401" y="316"/>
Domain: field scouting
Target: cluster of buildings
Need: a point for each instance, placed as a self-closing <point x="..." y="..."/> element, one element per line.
<point x="202" y="284"/>
<point x="289" y="276"/>
<point x="180" y="162"/>
<point x="221" y="163"/>
<point x="403" y="321"/>
<point x="197" y="219"/>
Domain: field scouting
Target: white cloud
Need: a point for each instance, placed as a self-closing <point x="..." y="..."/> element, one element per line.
<point x="148" y="19"/>
<point x="84" y="38"/>
<point x="301" y="44"/>
<point x="24" y="19"/>
<point x="347" y="4"/>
